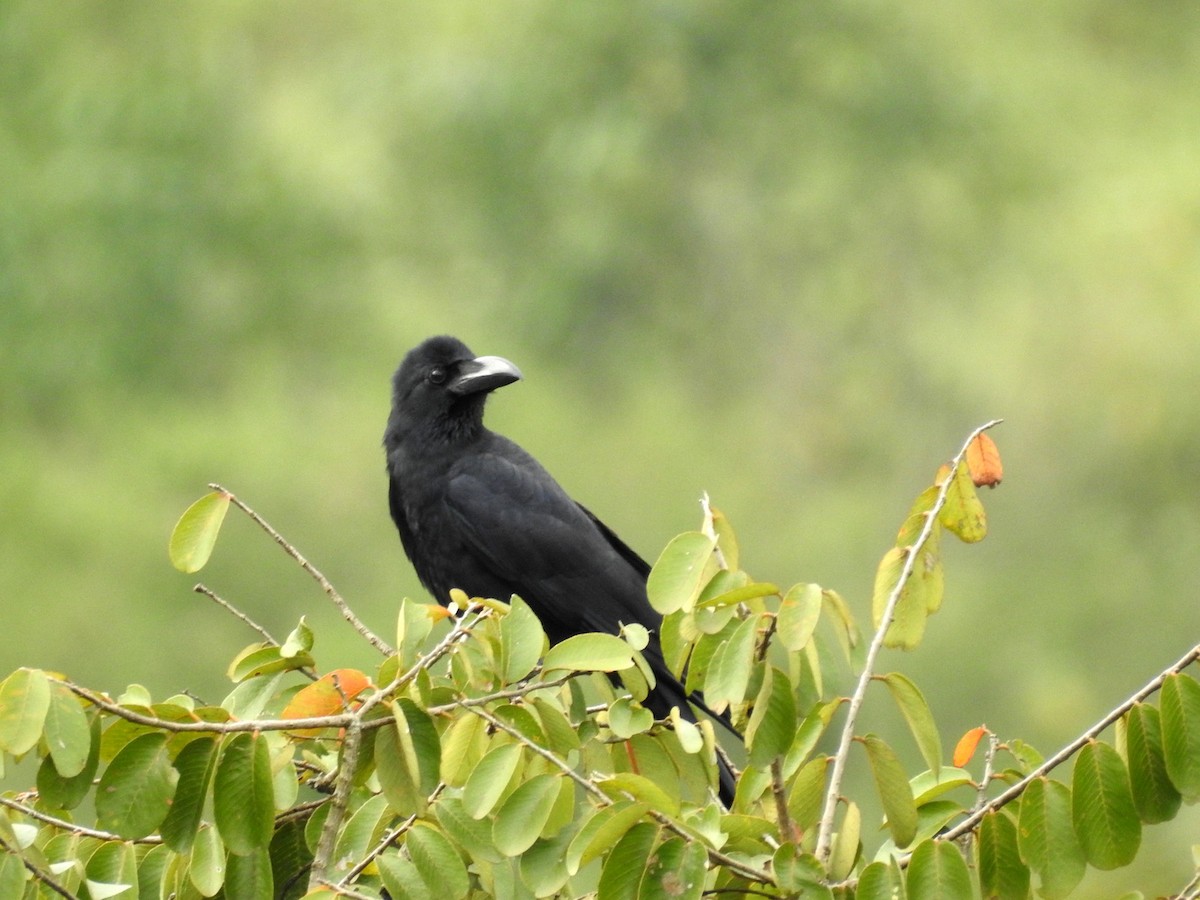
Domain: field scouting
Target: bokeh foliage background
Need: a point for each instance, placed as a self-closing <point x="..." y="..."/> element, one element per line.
<point x="788" y="253"/>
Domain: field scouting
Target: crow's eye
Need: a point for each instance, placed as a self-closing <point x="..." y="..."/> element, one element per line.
<point x="437" y="375"/>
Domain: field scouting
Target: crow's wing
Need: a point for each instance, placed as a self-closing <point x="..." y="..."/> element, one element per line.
<point x="514" y="521"/>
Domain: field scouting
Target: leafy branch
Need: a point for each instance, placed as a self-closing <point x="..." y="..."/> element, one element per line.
<point x="911" y="557"/>
<point x="475" y="756"/>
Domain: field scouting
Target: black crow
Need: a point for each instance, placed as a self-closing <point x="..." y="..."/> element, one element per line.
<point x="477" y="512"/>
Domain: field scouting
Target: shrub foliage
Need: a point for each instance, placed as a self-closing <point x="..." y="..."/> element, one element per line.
<point x="477" y="761"/>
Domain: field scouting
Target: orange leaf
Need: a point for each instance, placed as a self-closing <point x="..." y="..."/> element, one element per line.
<point x="326" y="697"/>
<point x="965" y="748"/>
<point x="983" y="459"/>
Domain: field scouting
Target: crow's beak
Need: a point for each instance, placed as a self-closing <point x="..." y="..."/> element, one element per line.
<point x="482" y="374"/>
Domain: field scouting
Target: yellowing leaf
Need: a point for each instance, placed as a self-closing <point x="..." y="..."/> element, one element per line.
<point x="963" y="513"/>
<point x="195" y="534"/>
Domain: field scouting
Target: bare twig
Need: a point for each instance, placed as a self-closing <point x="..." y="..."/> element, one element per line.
<point x="72" y="826"/>
<point x="237" y="613"/>
<point x="829" y="811"/>
<point x="344" y="608"/>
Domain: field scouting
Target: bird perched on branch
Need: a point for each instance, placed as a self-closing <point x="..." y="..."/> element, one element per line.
<point x="478" y="513"/>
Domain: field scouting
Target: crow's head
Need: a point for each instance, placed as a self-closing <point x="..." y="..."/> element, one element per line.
<point x="440" y="388"/>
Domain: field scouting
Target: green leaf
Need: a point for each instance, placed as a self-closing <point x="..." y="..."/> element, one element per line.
<point x="627" y="718"/>
<point x="151" y="868"/>
<point x="520" y="819"/>
<point x="68" y="793"/>
<point x="463" y="746"/>
<point x="544" y="865"/>
<point x="195" y="764"/>
<point x="638" y="787"/>
<point x="799" y="873"/>
<point x="398" y="766"/>
<point x="731" y="665"/>
<point x="1154" y="796"/>
<point x="799" y="612"/>
<point x="426" y="744"/>
<point x="1180" y="705"/>
<point x="880" y="881"/>
<point x="473" y="835"/>
<point x="626" y="864"/>
<point x="847" y="843"/>
<point x="290" y="855"/>
<point x="243" y="798"/>
<point x="196" y="532"/>
<point x="363" y="829"/>
<point x="1047" y="838"/>
<point x="299" y="641"/>
<point x="134" y="794"/>
<point x="67" y="732"/>
<point x="112" y="872"/>
<point x="1102" y="809"/>
<point x="599" y="833"/>
<point x="437" y="861"/>
<point x="522" y="641"/>
<point x="806" y="792"/>
<point x="490" y="779"/>
<point x="773" y="721"/>
<point x="264" y="659"/>
<point x="937" y="871"/>
<point x="742" y="594"/>
<point x="24" y="703"/>
<point x="918" y="716"/>
<point x="1002" y="873"/>
<point x="680" y="573"/>
<point x="590" y="653"/>
<point x="250" y="876"/>
<point x="206" y="865"/>
<point x="894" y="790"/>
<point x="412" y="628"/>
<point x="676" y="871"/>
<point x="400" y="877"/>
<point x="12" y="876"/>
<point x="562" y="737"/>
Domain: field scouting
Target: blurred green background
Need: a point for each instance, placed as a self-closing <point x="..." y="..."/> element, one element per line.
<point x="786" y="253"/>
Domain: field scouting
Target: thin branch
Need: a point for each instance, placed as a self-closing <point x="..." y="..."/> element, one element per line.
<point x="37" y="873"/>
<point x="72" y="826"/>
<point x="237" y="613"/>
<point x="340" y="802"/>
<point x="307" y="671"/>
<point x="829" y="811"/>
<point x="341" y="720"/>
<point x="1191" y="890"/>
<point x="347" y="613"/>
<point x="779" y="789"/>
<point x="387" y="840"/>
<point x="972" y="821"/>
